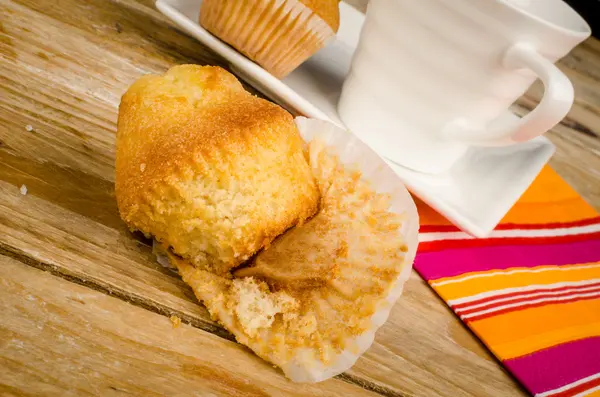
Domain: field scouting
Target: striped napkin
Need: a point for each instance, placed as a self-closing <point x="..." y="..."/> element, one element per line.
<point x="531" y="291"/>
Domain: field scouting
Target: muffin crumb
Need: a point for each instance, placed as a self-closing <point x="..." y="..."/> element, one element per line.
<point x="176" y="321"/>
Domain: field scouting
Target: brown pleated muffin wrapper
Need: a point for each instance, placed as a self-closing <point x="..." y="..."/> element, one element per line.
<point x="277" y="34"/>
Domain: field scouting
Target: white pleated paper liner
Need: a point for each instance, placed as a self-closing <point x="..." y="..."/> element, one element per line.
<point x="355" y="155"/>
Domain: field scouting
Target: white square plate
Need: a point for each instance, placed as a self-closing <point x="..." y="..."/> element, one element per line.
<point x="312" y="89"/>
<point x="474" y="195"/>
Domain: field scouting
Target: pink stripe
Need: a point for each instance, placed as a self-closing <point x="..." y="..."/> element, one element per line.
<point x="557" y="366"/>
<point x="454" y="262"/>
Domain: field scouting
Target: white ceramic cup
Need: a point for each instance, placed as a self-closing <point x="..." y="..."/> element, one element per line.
<point x="430" y="78"/>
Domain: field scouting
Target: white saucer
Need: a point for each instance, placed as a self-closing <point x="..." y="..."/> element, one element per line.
<point x="480" y="189"/>
<point x="474" y="195"/>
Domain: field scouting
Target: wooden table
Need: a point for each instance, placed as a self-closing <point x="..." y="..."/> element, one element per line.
<point x="84" y="309"/>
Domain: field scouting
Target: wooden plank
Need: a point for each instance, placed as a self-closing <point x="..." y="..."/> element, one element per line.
<point x="422" y="347"/>
<point x="60" y="338"/>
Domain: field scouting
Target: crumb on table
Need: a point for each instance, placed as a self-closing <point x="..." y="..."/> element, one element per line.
<point x="176" y="321"/>
<point x="29" y="127"/>
<point x="23" y="190"/>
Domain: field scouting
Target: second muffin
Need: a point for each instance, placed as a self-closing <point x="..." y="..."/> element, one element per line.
<point x="277" y="34"/>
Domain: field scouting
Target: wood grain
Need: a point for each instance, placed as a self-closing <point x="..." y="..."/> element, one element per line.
<point x="423" y="347"/>
<point x="63" y="66"/>
<point x="59" y="339"/>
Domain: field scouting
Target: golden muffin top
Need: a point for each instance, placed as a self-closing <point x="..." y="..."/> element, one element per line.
<point x="172" y="120"/>
<point x="328" y="10"/>
<point x="208" y="169"/>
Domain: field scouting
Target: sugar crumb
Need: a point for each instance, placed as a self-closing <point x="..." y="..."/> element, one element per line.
<point x="142" y="167"/>
<point x="23" y="190"/>
<point x="29" y="127"/>
<point x="176" y="321"/>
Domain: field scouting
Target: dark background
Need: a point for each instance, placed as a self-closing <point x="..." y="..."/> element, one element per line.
<point x="590" y="10"/>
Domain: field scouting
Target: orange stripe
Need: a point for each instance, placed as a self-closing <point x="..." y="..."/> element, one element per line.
<point x="502" y="280"/>
<point x="593" y="394"/>
<point x="522" y="332"/>
<point x="574" y="209"/>
<point x="429" y="216"/>
<point x="548" y="181"/>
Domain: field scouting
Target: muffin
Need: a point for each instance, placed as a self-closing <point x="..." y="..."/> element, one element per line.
<point x="312" y="301"/>
<point x="277" y="34"/>
<point x="208" y="169"/>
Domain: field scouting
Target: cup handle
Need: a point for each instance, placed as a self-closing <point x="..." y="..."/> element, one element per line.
<point x="554" y="106"/>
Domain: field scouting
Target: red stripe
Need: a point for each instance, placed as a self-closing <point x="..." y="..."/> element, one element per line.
<point x="440" y="245"/>
<point x="525" y="299"/>
<point x="529" y="306"/>
<point x="519" y="293"/>
<point x="512" y="226"/>
<point x="578" y="389"/>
